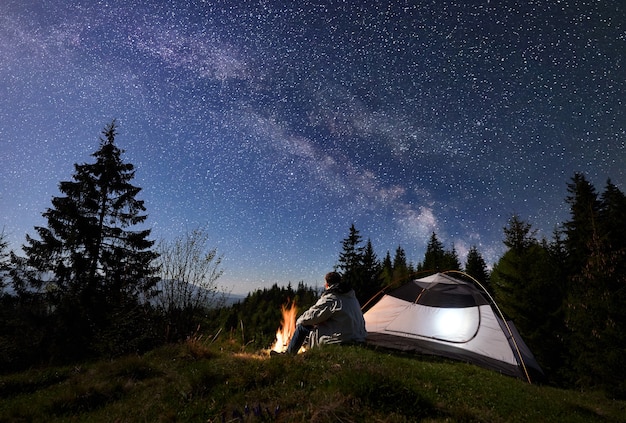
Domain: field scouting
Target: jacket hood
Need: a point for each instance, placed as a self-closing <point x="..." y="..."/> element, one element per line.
<point x="339" y="288"/>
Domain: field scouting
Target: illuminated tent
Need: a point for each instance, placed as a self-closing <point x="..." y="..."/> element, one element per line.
<point x="444" y="316"/>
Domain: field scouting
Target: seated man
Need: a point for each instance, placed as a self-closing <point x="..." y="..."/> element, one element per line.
<point x="336" y="317"/>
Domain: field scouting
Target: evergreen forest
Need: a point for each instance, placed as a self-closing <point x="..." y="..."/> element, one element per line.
<point x="93" y="283"/>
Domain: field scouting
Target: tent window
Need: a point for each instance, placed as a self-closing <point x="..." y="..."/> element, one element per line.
<point x="446" y="324"/>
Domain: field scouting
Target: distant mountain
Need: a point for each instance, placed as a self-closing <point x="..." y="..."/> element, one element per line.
<point x="231" y="299"/>
<point x="228" y="298"/>
<point x="218" y="298"/>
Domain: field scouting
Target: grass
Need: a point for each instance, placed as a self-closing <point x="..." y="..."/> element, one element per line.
<point x="220" y="382"/>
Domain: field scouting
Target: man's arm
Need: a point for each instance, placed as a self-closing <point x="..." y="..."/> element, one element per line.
<point x="320" y="311"/>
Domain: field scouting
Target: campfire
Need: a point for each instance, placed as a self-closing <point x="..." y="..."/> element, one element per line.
<point x="287" y="327"/>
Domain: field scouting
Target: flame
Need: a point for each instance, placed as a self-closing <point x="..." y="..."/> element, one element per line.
<point x="287" y="327"/>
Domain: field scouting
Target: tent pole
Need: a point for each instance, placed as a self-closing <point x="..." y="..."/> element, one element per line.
<point x="519" y="354"/>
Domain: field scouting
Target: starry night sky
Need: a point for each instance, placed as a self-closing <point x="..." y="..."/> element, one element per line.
<point x="277" y="126"/>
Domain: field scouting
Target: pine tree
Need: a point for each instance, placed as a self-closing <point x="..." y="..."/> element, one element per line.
<point x="596" y="318"/>
<point x="519" y="235"/>
<point x="526" y="287"/>
<point x="510" y="276"/>
<point x="371" y="274"/>
<point x="579" y="230"/>
<point x="595" y="312"/>
<point x="386" y="271"/>
<point x="612" y="216"/>
<point x="401" y="270"/>
<point x="435" y="258"/>
<point x="476" y="267"/>
<point x="92" y="265"/>
<point x="451" y="260"/>
<point x="351" y="260"/>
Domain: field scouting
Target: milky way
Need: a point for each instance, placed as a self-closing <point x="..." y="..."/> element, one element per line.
<point x="278" y="126"/>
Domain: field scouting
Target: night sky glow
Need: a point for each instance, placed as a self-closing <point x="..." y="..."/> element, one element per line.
<point x="276" y="125"/>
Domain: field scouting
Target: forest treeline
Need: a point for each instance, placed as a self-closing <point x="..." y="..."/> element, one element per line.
<point x="92" y="283"/>
<point x="566" y="294"/>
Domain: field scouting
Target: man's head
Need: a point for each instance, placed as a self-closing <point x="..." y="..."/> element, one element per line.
<point x="332" y="279"/>
<point x="335" y="283"/>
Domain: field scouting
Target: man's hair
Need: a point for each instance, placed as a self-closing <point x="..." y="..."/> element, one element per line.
<point x="333" y="278"/>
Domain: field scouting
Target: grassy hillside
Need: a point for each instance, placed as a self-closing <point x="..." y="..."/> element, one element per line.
<point x="219" y="382"/>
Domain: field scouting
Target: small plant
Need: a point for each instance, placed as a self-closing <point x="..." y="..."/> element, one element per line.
<point x="196" y="348"/>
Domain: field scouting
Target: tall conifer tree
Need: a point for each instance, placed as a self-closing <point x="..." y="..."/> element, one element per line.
<point x="386" y="273"/>
<point x="90" y="261"/>
<point x="595" y="313"/>
<point x="401" y="270"/>
<point x="351" y="259"/>
<point x="476" y="267"/>
<point x="436" y="258"/>
<point x="612" y="216"/>
<point x="370" y="285"/>
<point x="527" y="288"/>
<point x="579" y="230"/>
<point x="451" y="260"/>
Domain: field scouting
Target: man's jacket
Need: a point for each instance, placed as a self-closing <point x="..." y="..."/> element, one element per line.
<point x="337" y="318"/>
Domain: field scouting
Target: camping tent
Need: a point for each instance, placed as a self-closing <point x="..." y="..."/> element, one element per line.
<point x="449" y="317"/>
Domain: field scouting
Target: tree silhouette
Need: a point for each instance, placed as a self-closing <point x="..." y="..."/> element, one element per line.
<point x="596" y="318"/>
<point x="89" y="263"/>
<point x="528" y="289"/>
<point x="579" y="229"/>
<point x="351" y="259"/>
<point x="518" y="235"/>
<point x="476" y="267"/>
<point x="401" y="270"/>
<point x="594" y="310"/>
<point x="612" y="217"/>
<point x="371" y="274"/>
<point x="437" y="259"/>
<point x="386" y="272"/>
